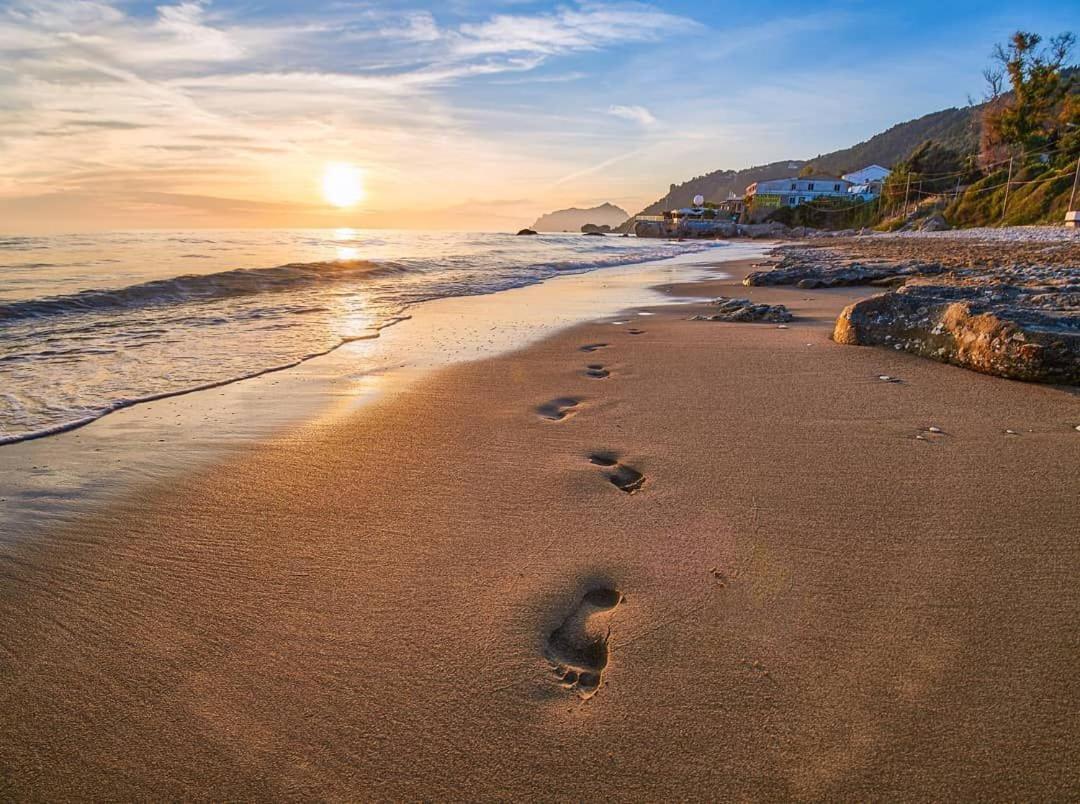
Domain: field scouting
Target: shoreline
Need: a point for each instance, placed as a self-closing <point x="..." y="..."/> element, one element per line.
<point x="812" y="601"/>
<point x="57" y="477"/>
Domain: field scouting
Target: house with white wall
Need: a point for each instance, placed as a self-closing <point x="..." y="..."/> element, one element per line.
<point x="871" y="174"/>
<point x="763" y="197"/>
<point x="866" y="182"/>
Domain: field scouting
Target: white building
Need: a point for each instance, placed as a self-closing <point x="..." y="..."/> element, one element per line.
<point x="871" y="174"/>
<point x="795" y="191"/>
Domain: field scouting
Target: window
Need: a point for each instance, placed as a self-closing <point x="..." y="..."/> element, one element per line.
<point x="810" y="186"/>
<point x="794" y="186"/>
<point x="793" y="200"/>
<point x="836" y="187"/>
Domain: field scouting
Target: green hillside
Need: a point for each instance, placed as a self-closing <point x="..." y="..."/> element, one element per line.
<point x="956" y="128"/>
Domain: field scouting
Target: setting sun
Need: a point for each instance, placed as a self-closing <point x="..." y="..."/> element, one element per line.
<point x="342" y="184"/>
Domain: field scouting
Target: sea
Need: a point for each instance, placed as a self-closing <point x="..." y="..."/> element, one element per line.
<point x="91" y="323"/>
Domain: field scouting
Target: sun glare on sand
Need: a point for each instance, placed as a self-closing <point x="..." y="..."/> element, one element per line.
<point x="343" y="184"/>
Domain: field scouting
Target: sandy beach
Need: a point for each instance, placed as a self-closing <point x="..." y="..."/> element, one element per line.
<point x="658" y="559"/>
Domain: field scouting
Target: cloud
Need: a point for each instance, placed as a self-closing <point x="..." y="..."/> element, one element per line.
<point x="194" y="100"/>
<point x="638" y="114"/>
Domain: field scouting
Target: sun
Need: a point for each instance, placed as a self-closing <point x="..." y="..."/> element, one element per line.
<point x="343" y="184"/>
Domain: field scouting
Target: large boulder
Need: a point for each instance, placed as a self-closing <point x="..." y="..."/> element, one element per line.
<point x="592" y="228"/>
<point x="527" y="232"/>
<point x="648" y="229"/>
<point x="935" y="223"/>
<point x="1023" y="333"/>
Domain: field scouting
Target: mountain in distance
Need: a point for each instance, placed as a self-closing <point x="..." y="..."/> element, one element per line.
<point x="571" y="220"/>
<point x="953" y="128"/>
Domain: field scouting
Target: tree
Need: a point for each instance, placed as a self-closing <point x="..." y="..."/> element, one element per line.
<point x="1030" y="117"/>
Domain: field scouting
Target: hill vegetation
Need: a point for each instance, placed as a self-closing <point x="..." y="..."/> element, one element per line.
<point x="1019" y="145"/>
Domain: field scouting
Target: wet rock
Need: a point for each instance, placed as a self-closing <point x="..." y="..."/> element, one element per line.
<point x="527" y="232"/>
<point x="745" y="310"/>
<point x="1024" y="332"/>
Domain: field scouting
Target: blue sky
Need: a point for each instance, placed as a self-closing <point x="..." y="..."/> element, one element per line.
<point x="195" y="113"/>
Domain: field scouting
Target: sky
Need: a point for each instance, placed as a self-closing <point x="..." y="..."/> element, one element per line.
<point x="456" y="114"/>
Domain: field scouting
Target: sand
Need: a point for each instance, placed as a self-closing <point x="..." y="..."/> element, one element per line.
<point x="773" y="587"/>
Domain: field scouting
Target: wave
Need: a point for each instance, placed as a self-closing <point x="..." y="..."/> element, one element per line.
<point x="283" y="278"/>
<point x="199" y="287"/>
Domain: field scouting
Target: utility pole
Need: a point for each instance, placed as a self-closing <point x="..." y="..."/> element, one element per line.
<point x="1076" y="174"/>
<point x="1008" y="183"/>
<point x="907" y="192"/>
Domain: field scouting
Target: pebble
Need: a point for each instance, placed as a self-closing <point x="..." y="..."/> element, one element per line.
<point x="933" y="430"/>
<point x="781" y="326"/>
<point x="1011" y="432"/>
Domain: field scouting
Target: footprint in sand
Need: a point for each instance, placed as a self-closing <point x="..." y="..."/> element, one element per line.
<point x="578" y="648"/>
<point x="597" y="371"/>
<point x="592" y="347"/>
<point x="558" y="409"/>
<point x="624" y="478"/>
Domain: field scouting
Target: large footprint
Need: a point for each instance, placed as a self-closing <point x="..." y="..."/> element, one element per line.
<point x="579" y="647"/>
<point x="624" y="478"/>
<point x="558" y="409"/>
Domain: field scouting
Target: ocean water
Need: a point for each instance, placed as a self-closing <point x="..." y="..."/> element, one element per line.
<point x="93" y="323"/>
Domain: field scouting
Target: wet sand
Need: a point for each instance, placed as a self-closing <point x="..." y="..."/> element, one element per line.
<point x="757" y="571"/>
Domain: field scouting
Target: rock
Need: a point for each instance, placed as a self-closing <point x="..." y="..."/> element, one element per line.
<point x="935" y="223"/>
<point x="592" y="228"/>
<point x="756" y="231"/>
<point x="827" y="274"/>
<point x="648" y="229"/>
<point x="746" y="310"/>
<point x="527" y="232"/>
<point x="1015" y="331"/>
<point x="594" y="234"/>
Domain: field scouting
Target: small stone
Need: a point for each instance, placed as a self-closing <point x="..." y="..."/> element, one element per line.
<point x="1011" y="432"/>
<point x="781" y="326"/>
<point x="933" y="429"/>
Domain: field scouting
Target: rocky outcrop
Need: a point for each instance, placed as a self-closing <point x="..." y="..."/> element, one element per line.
<point x="1023" y="332"/>
<point x="592" y="228"/>
<point x="746" y="310"/>
<point x="821" y="274"/>
<point x="527" y="232"/>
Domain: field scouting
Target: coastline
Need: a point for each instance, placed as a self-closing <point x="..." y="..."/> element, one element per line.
<point x="814" y="602"/>
<point x="54" y="479"/>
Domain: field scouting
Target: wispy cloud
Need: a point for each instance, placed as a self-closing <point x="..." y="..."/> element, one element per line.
<point x="194" y="100"/>
<point x="638" y="114"/>
<point x="584" y="27"/>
